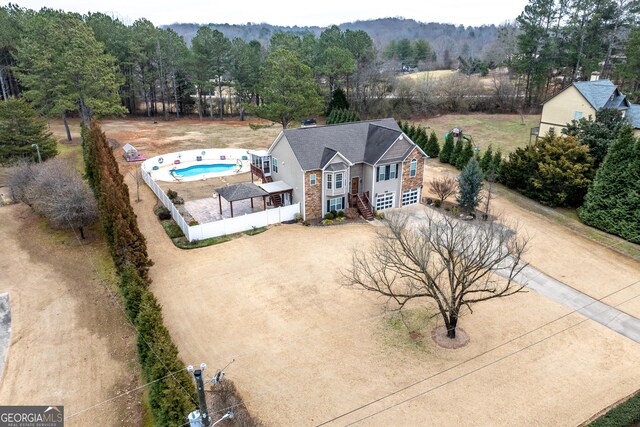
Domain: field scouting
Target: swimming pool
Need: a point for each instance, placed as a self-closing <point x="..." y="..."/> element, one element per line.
<point x="202" y="169"/>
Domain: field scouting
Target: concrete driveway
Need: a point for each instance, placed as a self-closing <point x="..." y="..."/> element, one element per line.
<point x="558" y="291"/>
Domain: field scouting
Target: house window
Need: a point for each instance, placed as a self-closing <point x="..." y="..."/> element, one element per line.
<point x="385" y="173"/>
<point x="578" y="115"/>
<point x="338" y="181"/>
<point x="329" y="181"/>
<point x="413" y="168"/>
<point x="410" y="197"/>
<point x="384" y="201"/>
<point x="274" y="164"/>
<point x="336" y="204"/>
<point x="312" y="179"/>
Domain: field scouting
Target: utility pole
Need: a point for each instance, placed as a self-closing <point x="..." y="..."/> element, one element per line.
<point x="204" y="413"/>
<point x="200" y="417"/>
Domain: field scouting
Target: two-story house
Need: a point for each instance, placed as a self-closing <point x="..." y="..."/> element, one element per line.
<point x="371" y="165"/>
<point x="584" y="99"/>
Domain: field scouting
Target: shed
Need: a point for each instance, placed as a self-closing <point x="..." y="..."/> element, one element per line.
<point x="130" y="152"/>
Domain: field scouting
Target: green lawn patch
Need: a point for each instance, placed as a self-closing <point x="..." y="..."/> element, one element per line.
<point x="183" y="243"/>
<point x="625" y="414"/>
<point x="173" y="230"/>
<point x="178" y="238"/>
<point x="504" y="131"/>
<point x="255" y="230"/>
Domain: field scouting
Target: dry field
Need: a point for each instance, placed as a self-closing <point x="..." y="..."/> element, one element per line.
<point x="70" y="344"/>
<point x="307" y="350"/>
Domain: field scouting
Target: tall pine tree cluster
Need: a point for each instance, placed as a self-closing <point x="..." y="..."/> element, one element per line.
<point x="170" y="397"/>
<point x="613" y="201"/>
<point x="339" y="115"/>
<point x="418" y="134"/>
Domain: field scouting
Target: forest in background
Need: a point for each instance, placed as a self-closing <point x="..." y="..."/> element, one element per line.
<point x="71" y="64"/>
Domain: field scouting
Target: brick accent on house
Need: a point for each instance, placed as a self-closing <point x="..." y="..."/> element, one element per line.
<point x="409" y="182"/>
<point x="313" y="195"/>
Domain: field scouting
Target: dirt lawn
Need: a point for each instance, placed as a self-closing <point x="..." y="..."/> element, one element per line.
<point x="307" y="350"/>
<point x="70" y="344"/>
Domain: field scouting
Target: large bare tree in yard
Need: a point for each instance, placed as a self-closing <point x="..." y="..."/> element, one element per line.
<point x="453" y="263"/>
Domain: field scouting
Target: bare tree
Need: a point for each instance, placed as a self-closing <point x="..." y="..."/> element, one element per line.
<point x="56" y="191"/>
<point x="454" y="263"/>
<point x="444" y="187"/>
<point x="19" y="180"/>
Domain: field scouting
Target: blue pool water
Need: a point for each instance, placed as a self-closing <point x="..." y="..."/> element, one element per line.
<point x="201" y="169"/>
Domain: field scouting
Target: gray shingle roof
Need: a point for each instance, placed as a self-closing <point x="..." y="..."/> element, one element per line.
<point x="242" y="191"/>
<point x="633" y="115"/>
<point x="358" y="142"/>
<point x="597" y="92"/>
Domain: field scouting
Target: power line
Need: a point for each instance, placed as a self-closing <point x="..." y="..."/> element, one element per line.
<point x="122" y="394"/>
<point x="480" y="354"/>
<point x="484" y="366"/>
<point x="117" y="302"/>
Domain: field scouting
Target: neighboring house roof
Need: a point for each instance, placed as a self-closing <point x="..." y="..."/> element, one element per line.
<point x="357" y="142"/>
<point x="598" y="93"/>
<point x="633" y="115"/>
<point x="618" y="102"/>
<point x="242" y="191"/>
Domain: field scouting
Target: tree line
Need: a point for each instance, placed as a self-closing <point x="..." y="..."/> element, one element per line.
<point x="171" y="397"/>
<point x="561" y="41"/>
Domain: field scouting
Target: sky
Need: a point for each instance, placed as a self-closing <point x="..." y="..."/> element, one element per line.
<point x="289" y="12"/>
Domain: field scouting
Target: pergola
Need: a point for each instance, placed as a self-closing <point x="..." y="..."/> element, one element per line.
<point x="242" y="191"/>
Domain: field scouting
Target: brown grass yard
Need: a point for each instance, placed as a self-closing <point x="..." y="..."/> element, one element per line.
<point x="70" y="343"/>
<point x="504" y="131"/>
<point x="307" y="349"/>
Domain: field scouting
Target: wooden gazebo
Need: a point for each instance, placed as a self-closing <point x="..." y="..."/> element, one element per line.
<point x="242" y="191"/>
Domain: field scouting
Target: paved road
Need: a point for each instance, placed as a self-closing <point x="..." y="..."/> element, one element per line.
<point x="602" y="313"/>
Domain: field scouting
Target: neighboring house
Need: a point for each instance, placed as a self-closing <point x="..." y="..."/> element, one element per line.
<point x="371" y="165"/>
<point x="584" y="99"/>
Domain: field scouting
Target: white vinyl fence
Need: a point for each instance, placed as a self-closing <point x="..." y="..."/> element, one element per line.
<point x="225" y="226"/>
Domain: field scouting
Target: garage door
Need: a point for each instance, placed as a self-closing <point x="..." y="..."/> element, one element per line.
<point x="384" y="201"/>
<point x="410" y="197"/>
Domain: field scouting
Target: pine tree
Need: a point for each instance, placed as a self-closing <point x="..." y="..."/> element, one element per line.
<point x="469" y="186"/>
<point x="170" y="398"/>
<point x="496" y="164"/>
<point x="612" y="203"/>
<point x="447" y="149"/>
<point x="338" y="101"/>
<point x="331" y="117"/>
<point x="20" y="128"/>
<point x="132" y="288"/>
<point x="487" y="160"/>
<point x="465" y="155"/>
<point x="457" y="150"/>
<point x="432" y="148"/>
